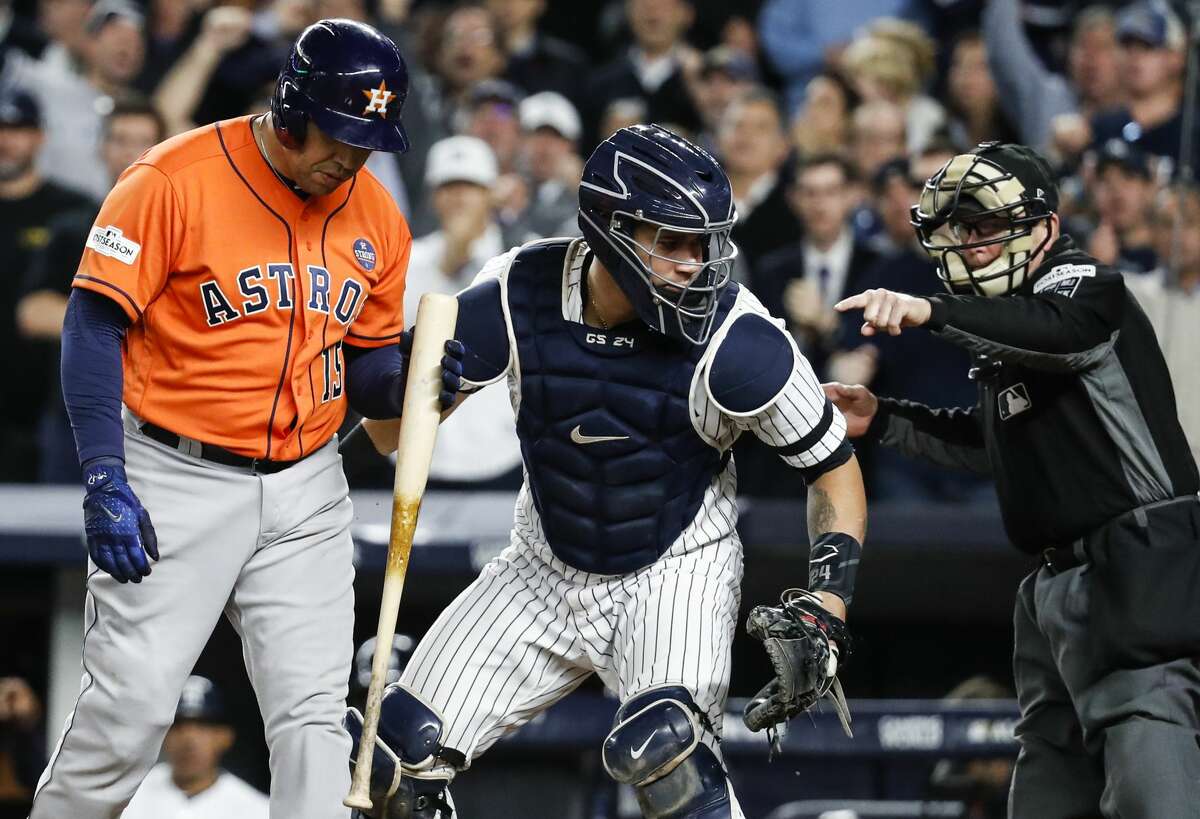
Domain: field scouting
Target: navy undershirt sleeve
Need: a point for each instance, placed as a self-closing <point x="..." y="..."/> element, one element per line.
<point x="93" y="332"/>
<point x="375" y="380"/>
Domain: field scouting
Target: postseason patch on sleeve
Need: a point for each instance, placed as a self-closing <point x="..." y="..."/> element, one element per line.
<point x="109" y="241"/>
<point x="1064" y="279"/>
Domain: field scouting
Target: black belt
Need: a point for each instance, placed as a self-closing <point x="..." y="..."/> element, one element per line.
<point x="216" y="454"/>
<point x="1061" y="558"/>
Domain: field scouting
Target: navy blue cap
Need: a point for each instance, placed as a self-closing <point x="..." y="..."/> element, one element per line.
<point x="1124" y="154"/>
<point x="105" y="11"/>
<point x="1152" y="24"/>
<point x="494" y="90"/>
<point x="201" y="701"/>
<point x="18" y="109"/>
<point x="737" y="64"/>
<point x="402" y="649"/>
<point x="894" y="168"/>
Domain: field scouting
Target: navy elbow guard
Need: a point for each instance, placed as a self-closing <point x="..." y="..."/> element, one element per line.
<point x="833" y="564"/>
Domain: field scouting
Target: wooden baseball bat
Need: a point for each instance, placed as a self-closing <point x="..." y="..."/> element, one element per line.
<point x="419" y="419"/>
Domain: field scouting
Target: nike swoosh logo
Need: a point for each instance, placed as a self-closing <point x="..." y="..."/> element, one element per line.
<point x="578" y="437"/>
<point x="823" y="559"/>
<point x="636" y="753"/>
<point x="114" y="518"/>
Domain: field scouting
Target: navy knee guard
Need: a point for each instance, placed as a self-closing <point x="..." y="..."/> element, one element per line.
<point x="655" y="746"/>
<point x="411" y="771"/>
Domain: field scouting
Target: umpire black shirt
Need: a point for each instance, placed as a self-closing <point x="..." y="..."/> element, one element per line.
<point x="1076" y="418"/>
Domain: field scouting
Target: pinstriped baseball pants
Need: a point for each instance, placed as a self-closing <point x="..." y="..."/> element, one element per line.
<point x="530" y="629"/>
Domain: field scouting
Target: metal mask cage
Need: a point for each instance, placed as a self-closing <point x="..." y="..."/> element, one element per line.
<point x="694" y="302"/>
<point x="979" y="184"/>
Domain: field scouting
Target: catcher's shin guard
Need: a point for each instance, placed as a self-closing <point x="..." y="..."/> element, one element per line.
<point x="655" y="746"/>
<point x="411" y="771"/>
<point x="414" y="799"/>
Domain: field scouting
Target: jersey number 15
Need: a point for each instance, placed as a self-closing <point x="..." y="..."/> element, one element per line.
<point x="331" y="357"/>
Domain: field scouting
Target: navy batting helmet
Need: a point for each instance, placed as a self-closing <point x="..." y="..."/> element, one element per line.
<point x="348" y="79"/>
<point x="402" y="649"/>
<point x="646" y="174"/>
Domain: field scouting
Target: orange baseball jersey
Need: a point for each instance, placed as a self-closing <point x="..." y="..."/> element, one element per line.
<point x="241" y="293"/>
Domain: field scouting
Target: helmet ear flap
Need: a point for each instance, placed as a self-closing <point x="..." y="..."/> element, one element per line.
<point x="288" y="119"/>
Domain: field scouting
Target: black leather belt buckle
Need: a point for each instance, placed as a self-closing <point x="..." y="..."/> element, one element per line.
<point x="216" y="454"/>
<point x="269" y="467"/>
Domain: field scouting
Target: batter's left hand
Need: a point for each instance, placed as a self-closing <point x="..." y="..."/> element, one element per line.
<point x="887" y="310"/>
<point x="120" y="536"/>
<point x="452" y="370"/>
<point x="451" y="366"/>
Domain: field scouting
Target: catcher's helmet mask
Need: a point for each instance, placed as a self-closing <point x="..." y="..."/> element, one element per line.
<point x="349" y="80"/>
<point x="983" y="192"/>
<point x="647" y="175"/>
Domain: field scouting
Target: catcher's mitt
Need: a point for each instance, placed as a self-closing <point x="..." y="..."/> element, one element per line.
<point x="803" y="640"/>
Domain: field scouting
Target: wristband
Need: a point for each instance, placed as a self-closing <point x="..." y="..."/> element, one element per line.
<point x="833" y="564"/>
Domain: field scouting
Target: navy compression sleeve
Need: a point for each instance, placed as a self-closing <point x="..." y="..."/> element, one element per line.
<point x="93" y="331"/>
<point x="375" y="380"/>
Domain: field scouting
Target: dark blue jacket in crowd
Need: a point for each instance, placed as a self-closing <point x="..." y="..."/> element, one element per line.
<point x="1161" y="140"/>
<point x="915" y="366"/>
<point x="912" y="366"/>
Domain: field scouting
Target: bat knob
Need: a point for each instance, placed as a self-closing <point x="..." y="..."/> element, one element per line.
<point x="359" y="801"/>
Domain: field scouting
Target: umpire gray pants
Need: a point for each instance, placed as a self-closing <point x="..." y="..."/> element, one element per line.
<point x="1108" y="676"/>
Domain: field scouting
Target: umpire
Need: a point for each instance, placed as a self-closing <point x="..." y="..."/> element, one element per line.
<point x="1076" y="421"/>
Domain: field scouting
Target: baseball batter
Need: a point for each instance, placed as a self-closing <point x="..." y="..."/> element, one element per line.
<point x="633" y="365"/>
<point x="242" y="282"/>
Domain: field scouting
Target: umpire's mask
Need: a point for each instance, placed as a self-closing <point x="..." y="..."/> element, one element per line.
<point x="995" y="195"/>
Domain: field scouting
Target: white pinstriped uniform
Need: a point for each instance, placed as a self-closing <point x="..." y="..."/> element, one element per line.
<point x="531" y="628"/>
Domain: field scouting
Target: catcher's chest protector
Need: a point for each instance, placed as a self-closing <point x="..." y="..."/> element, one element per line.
<point x="614" y="465"/>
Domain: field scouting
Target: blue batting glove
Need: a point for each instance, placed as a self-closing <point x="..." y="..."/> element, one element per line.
<point x="119" y="532"/>
<point x="452" y="368"/>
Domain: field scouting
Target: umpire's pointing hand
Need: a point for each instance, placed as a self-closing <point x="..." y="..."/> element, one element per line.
<point x="887" y="310"/>
<point x="856" y="403"/>
<point x="119" y="533"/>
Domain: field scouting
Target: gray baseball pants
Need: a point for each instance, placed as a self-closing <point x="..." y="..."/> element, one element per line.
<point x="270" y="552"/>
<point x="1107" y="667"/>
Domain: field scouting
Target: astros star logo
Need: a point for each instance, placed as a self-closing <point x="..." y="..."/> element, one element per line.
<point x="379" y="97"/>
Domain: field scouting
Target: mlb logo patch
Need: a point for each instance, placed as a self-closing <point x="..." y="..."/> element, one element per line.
<point x="1013" y="401"/>
<point x="110" y="241"/>
<point x="365" y="253"/>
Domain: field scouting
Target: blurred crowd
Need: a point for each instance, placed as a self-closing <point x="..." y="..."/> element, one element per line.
<point x="827" y="116"/>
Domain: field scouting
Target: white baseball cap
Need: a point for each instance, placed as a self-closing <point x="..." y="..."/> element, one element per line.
<point x="461" y="159"/>
<point x="549" y="109"/>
